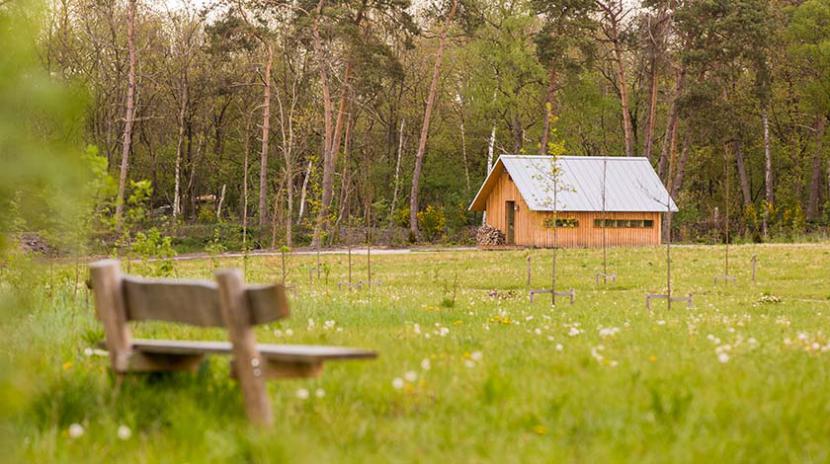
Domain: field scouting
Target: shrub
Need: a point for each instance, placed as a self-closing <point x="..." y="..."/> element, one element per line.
<point x="432" y="223"/>
<point x="154" y="245"/>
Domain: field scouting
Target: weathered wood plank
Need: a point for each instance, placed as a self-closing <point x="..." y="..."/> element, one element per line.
<point x="249" y="363"/>
<point x="305" y="353"/>
<point x="110" y="306"/>
<point x="196" y="302"/>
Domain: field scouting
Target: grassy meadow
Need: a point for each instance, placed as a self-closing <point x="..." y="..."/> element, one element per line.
<point x="469" y="370"/>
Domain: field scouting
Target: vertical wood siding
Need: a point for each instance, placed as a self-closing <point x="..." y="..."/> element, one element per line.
<point x="530" y="227"/>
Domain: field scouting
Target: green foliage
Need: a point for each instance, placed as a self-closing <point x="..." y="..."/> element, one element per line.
<point x="215" y="247"/>
<point x="155" y="251"/>
<point x="400" y="217"/>
<point x="207" y="215"/>
<point x="432" y="222"/>
<point x="40" y="121"/>
<point x="138" y="201"/>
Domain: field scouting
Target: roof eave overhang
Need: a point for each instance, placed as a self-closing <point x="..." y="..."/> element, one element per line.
<point x="479" y="202"/>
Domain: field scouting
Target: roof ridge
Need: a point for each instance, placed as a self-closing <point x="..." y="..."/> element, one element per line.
<point x="580" y="157"/>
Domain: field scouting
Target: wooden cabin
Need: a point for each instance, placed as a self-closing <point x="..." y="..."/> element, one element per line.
<point x="588" y="198"/>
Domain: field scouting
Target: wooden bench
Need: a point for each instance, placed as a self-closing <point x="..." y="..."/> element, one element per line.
<point x="227" y="303"/>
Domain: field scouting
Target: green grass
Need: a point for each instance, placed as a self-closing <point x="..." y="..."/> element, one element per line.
<point x="498" y="388"/>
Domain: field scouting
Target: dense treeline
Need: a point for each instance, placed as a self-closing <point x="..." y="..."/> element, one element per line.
<point x="296" y="118"/>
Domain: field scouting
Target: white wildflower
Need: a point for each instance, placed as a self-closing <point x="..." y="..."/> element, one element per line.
<point x="124" y="432"/>
<point x="476" y="356"/>
<point x="76" y="430"/>
<point x="302" y="393"/>
<point x="559" y="347"/>
<point x="411" y="376"/>
<point x="723" y="357"/>
<point x="397" y="383"/>
<point x="425" y="364"/>
<point x="319" y="393"/>
<point x="608" y="331"/>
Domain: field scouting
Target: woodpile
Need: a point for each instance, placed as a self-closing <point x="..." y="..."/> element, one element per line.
<point x="487" y="236"/>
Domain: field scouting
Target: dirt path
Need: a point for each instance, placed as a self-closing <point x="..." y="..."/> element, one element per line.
<point x="329" y="251"/>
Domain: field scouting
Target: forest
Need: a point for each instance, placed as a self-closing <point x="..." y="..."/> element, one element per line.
<point x="266" y="123"/>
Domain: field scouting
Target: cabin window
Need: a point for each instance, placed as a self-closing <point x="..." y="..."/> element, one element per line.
<point x="568" y="223"/>
<point x="623" y="223"/>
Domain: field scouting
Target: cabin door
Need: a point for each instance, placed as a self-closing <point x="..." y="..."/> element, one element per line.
<point x="510" y="210"/>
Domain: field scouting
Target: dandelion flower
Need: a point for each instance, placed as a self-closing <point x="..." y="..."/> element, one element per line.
<point x="411" y="376"/>
<point x="124" y="432"/>
<point x="76" y="430"/>
<point x="723" y="357"/>
<point x="397" y="383"/>
<point x="425" y="364"/>
<point x="302" y="393"/>
<point x="559" y="347"/>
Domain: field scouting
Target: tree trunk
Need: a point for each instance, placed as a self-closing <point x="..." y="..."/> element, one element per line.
<point x="518" y="134"/>
<point x="813" y="203"/>
<point x="767" y="173"/>
<point x="304" y="191"/>
<point x="129" y="115"/>
<point x="743" y="177"/>
<point x="491" y="143"/>
<point x="464" y="157"/>
<point x="328" y="110"/>
<point x="648" y="136"/>
<point x="550" y="98"/>
<point x="671" y="126"/>
<point x="397" y="170"/>
<point x="680" y="172"/>
<point x="422" y="142"/>
<point x="330" y="163"/>
<point x="628" y="127"/>
<point x="262" y="211"/>
<point x="179" y="145"/>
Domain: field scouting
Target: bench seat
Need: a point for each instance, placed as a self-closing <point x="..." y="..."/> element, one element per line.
<point x="284" y="353"/>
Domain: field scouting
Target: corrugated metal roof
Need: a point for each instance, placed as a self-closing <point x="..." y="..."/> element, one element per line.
<point x="630" y="183"/>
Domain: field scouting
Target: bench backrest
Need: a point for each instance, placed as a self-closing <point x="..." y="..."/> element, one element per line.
<point x="193" y="302"/>
<point x="196" y="302"/>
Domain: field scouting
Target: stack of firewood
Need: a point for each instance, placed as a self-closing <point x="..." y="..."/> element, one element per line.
<point x="487" y="236"/>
